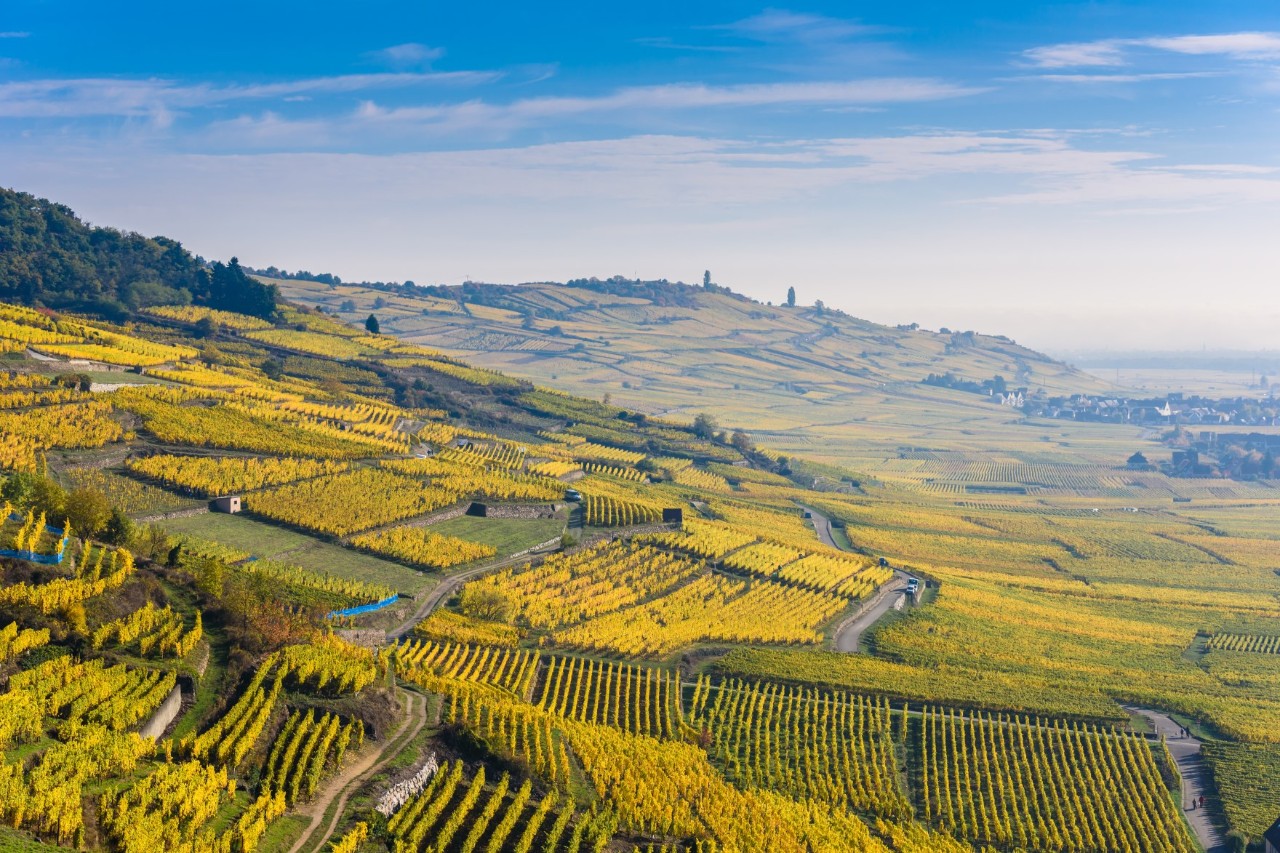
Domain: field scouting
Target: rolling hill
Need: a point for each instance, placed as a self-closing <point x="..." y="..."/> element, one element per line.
<point x="799" y="379"/>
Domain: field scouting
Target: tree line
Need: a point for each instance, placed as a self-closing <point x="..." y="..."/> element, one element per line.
<point x="50" y="258"/>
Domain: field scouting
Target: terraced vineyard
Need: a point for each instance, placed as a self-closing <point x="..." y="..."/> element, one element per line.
<point x="624" y="684"/>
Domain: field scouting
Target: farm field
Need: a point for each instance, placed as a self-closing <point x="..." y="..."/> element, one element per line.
<point x="780" y="374"/>
<point x="507" y="535"/>
<point x="275" y="543"/>
<point x="651" y="686"/>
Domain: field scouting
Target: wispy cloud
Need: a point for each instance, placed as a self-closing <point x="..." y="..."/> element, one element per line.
<point x="1122" y="78"/>
<point x="14" y="35"/>
<point x="1118" y="51"/>
<point x="1238" y="45"/>
<point x="408" y="55"/>
<point x="684" y="171"/>
<point x="668" y="43"/>
<point x="106" y="96"/>
<point x="1077" y="54"/>
<point x="641" y="100"/>
<point x="773" y="25"/>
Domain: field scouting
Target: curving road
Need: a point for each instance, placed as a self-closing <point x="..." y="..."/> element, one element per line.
<point x="1195" y="779"/>
<point x="447" y="586"/>
<point x="849" y="632"/>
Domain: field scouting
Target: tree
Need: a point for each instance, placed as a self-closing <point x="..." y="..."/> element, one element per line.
<point x="485" y="603"/>
<point x="119" y="529"/>
<point x="205" y="327"/>
<point x="819" y="306"/>
<point x="1138" y="460"/>
<point x="706" y="279"/>
<point x="791" y="297"/>
<point x="231" y="290"/>
<point x="18" y="488"/>
<point x="49" y="497"/>
<point x="88" y="511"/>
<point x="704" y="426"/>
<point x="742" y="442"/>
<point x="76" y="381"/>
<point x="371" y="325"/>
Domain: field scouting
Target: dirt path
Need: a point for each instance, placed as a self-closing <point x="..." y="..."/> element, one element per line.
<point x="850" y="631"/>
<point x="1207" y="821"/>
<point x="345" y="783"/>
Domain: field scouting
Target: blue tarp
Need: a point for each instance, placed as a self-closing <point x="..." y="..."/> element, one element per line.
<point x="366" y="608"/>
<point x="32" y="556"/>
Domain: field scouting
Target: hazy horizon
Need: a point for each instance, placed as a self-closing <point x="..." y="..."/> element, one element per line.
<point x="1071" y="176"/>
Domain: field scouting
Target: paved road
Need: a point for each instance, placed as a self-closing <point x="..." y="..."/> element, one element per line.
<point x="849" y="632"/>
<point x="447" y="587"/>
<point x="1195" y="780"/>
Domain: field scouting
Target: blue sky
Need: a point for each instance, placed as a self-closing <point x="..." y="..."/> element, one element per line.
<point x="1049" y="171"/>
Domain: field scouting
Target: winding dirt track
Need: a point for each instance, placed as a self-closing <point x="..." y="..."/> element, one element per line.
<point x="342" y="786"/>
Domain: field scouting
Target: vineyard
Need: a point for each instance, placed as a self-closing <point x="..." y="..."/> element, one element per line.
<point x="806" y="743"/>
<point x="507" y="669"/>
<point x="1246" y="643"/>
<point x="1044" y="786"/>
<point x="640" y="700"/>
<point x="306" y="747"/>
<point x="423" y="547"/>
<point x="629" y="686"/>
<point x="709" y="609"/>
<point x="569" y="588"/>
<point x="341" y="504"/>
<point x="203" y="475"/>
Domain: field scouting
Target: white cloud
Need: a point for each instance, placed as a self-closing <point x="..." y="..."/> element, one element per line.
<point x="681" y="96"/>
<point x="773" y="25"/>
<point x="409" y="55"/>
<point x="14" y="35"/>
<point x="682" y="171"/>
<point x="1078" y="54"/>
<point x="106" y="96"/>
<point x="1123" y="78"/>
<point x="1117" y="52"/>
<point x="1237" y="45"/>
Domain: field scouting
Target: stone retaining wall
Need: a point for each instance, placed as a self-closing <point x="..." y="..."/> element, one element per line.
<point x="177" y="513"/>
<point x="164" y="715"/>
<point x="519" y="510"/>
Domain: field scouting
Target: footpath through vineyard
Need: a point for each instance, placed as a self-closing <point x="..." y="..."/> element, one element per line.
<point x="1207" y="822"/>
<point x="342" y="786"/>
<point x="849" y="632"/>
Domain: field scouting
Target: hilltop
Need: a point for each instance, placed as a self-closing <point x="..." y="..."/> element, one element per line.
<point x="802" y="378"/>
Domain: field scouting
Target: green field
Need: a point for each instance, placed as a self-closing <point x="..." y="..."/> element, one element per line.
<point x="275" y="543"/>
<point x="508" y="535"/>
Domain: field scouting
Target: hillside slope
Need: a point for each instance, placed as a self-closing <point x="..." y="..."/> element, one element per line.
<point x="801" y="378"/>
